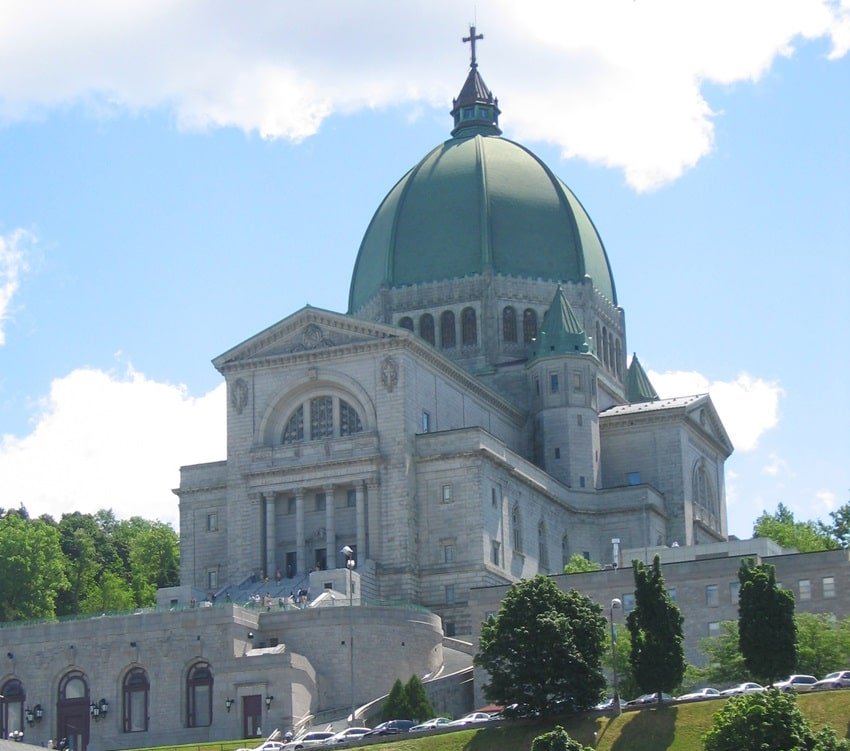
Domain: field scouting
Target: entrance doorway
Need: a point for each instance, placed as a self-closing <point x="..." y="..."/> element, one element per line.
<point x="252" y="715"/>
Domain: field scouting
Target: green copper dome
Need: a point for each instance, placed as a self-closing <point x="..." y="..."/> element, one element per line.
<point x="476" y="203"/>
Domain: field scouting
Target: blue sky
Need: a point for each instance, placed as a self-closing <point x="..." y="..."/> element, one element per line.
<point x="176" y="177"/>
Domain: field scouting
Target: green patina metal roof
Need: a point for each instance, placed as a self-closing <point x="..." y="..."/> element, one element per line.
<point x="638" y="387"/>
<point x="560" y="333"/>
<point x="477" y="203"/>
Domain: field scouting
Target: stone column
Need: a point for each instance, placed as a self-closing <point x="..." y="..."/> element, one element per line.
<point x="360" y="512"/>
<point x="373" y="520"/>
<point x="330" y="529"/>
<point x="300" y="562"/>
<point x="271" y="535"/>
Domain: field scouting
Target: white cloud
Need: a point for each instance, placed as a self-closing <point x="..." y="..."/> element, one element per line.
<point x="13" y="265"/>
<point x="776" y="466"/>
<point x="617" y="82"/>
<point x="102" y="440"/>
<point x="748" y="406"/>
<point x="825" y="501"/>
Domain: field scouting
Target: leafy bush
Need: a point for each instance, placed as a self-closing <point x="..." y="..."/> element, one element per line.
<point x="559" y="740"/>
<point x="770" y="721"/>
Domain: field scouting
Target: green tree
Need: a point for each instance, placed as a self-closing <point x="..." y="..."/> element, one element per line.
<point x="770" y="720"/>
<point x="396" y="706"/>
<point x="578" y="564"/>
<point x="544" y="647"/>
<point x="418" y="701"/>
<point x="782" y="528"/>
<point x="821" y="643"/>
<point x="154" y="561"/>
<point x="31" y="568"/>
<point x="839" y="528"/>
<point x="110" y="594"/>
<point x="657" y="654"/>
<point x="557" y="739"/>
<point x="767" y="633"/>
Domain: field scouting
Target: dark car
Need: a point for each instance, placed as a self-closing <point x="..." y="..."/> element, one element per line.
<point x="391" y="727"/>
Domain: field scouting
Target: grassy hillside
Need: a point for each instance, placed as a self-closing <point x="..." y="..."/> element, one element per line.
<point x="668" y="728"/>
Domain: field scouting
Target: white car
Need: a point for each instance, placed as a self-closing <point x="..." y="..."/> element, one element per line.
<point x="838" y="679"/>
<point x="743" y="688"/>
<point x="313" y="738"/>
<point x="700" y="693"/>
<point x="473" y="718"/>
<point x="349" y="734"/>
<point x="800" y="683"/>
<point x="434" y="722"/>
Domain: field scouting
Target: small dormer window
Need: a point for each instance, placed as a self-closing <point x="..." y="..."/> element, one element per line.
<point x="468" y="113"/>
<point x="483" y="113"/>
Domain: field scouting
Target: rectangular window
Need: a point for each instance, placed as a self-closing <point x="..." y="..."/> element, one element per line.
<point x="351" y="498"/>
<point x="576" y="381"/>
<point x="290" y="505"/>
<point x="212" y="522"/>
<point x="734" y="591"/>
<point x="628" y="602"/>
<point x="579" y="420"/>
<point x="212" y="579"/>
<point x="829" y="586"/>
<point x="450" y="594"/>
<point x="557" y="452"/>
<point x="496" y="552"/>
<point x="633" y="478"/>
<point x="581" y="481"/>
<point x="554" y="383"/>
<point x="805" y="588"/>
<point x="712" y="597"/>
<point x="448" y="553"/>
<point x="321" y="501"/>
<point x="426" y="422"/>
<point x="447" y="493"/>
<point x="714" y="628"/>
<point x="673" y="592"/>
<point x="493" y="501"/>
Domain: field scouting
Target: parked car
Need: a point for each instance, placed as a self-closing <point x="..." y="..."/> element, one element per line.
<point x="473" y="718"/>
<point x="800" y="683"/>
<point x="743" y="688"/>
<point x="648" y="699"/>
<point x="313" y="738"/>
<point x="390" y="727"/>
<point x="434" y="722"/>
<point x="349" y="734"/>
<point x="700" y="693"/>
<point x="838" y="679"/>
<point x="608" y="704"/>
<point x="514" y="711"/>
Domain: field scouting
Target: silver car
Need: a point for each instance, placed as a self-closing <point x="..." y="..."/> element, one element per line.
<point x="838" y="679"/>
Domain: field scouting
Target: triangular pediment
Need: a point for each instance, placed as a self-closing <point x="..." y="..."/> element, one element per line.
<point x="307" y="330"/>
<point x="704" y="414"/>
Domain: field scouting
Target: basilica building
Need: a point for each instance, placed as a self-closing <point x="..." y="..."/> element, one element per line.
<point x="471" y="419"/>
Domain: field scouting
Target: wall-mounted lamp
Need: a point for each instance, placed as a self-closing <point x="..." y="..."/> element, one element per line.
<point x="250" y="634"/>
<point x="228" y="702"/>
<point x="39" y="712"/>
<point x="29" y="716"/>
<point x="16" y="735"/>
<point x="99" y="710"/>
<point x="269" y="700"/>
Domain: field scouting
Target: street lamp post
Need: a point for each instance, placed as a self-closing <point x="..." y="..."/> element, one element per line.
<point x="349" y="564"/>
<point x="615" y="604"/>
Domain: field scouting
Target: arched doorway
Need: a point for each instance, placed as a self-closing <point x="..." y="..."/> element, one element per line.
<point x="72" y="711"/>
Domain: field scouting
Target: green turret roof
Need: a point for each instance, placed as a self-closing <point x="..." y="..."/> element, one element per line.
<point x="561" y="333"/>
<point x="638" y="387"/>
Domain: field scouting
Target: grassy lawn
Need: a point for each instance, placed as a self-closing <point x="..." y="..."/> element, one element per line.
<point x="668" y="728"/>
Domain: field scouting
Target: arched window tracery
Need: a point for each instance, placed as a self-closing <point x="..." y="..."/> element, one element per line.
<point x="199" y="685"/>
<point x="509" y="333"/>
<point x="135" y="692"/>
<point x="529" y="325"/>
<point x="327" y="417"/>
<point x="426" y="327"/>
<point x="468" y="327"/>
<point x="447" y="330"/>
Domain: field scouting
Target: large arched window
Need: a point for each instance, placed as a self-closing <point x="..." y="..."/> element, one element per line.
<point x="509" y="324"/>
<point x="703" y="490"/>
<point x="135" y="701"/>
<point x="12" y="707"/>
<point x="516" y="528"/>
<point x="447" y="329"/>
<point x="406" y="323"/>
<point x="327" y="417"/>
<point x="199" y="685"/>
<point x="529" y="325"/>
<point x="426" y="327"/>
<point x="468" y="327"/>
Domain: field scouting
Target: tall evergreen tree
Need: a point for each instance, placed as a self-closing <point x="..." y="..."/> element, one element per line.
<point x="418" y="701"/>
<point x="655" y="625"/>
<point x="396" y="706"/>
<point x="767" y="633"/>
